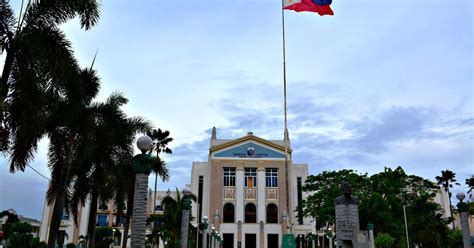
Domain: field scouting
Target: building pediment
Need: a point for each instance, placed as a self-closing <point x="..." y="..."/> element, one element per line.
<point x="249" y="147"/>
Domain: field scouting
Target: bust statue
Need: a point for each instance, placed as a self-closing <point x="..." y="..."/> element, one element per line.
<point x="347" y="198"/>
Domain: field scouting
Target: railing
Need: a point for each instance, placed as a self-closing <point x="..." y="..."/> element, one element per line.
<point x="250" y="193"/>
<point x="229" y="193"/>
<point x="271" y="194"/>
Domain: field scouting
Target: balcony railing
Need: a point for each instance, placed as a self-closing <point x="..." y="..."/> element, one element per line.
<point x="250" y="194"/>
<point x="229" y="193"/>
<point x="271" y="194"/>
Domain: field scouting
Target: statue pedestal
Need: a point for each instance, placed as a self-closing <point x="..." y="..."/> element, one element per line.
<point x="347" y="225"/>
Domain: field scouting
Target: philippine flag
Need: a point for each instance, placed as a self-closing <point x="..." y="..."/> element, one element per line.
<point x="322" y="7"/>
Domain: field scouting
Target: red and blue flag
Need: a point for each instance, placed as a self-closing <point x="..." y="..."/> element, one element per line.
<point x="322" y="7"/>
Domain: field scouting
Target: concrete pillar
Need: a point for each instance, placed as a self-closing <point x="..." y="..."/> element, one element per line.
<point x="261" y="205"/>
<point x="239" y="194"/>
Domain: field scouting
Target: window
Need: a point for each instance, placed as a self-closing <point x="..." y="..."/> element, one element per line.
<point x="300" y="199"/>
<point x="103" y="207"/>
<point x="228" y="213"/>
<point x="250" y="213"/>
<point x="250" y="177"/>
<point x="229" y="177"/>
<point x="102" y="220"/>
<point x="271" y="176"/>
<point x="272" y="213"/>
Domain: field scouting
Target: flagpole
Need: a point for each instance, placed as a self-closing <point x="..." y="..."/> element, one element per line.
<point x="285" y="135"/>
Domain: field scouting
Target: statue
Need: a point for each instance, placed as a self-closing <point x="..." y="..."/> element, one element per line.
<point x="347" y="198"/>
<point x="347" y="218"/>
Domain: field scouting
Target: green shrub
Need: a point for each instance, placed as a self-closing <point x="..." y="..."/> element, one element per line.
<point x="384" y="240"/>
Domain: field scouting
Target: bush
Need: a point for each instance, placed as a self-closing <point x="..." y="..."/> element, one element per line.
<point x="384" y="240"/>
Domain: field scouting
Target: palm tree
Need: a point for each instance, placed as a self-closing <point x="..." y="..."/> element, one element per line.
<point x="38" y="59"/>
<point x="171" y="224"/>
<point x="445" y="180"/>
<point x="470" y="184"/>
<point x="161" y="140"/>
<point x="100" y="155"/>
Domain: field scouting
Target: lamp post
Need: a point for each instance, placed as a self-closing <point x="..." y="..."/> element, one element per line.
<point x="186" y="205"/>
<point x="330" y="237"/>
<point x="113" y="237"/>
<point x="463" y="209"/>
<point x="211" y="237"/>
<point x="142" y="167"/>
<point x="204" y="226"/>
<point x="370" y="227"/>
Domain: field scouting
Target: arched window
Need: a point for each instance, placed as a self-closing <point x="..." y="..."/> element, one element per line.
<point x="103" y="207"/>
<point x="272" y="213"/>
<point x="250" y="213"/>
<point x="229" y="213"/>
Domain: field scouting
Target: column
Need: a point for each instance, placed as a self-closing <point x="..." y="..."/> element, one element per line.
<point x="239" y="194"/>
<point x="261" y="206"/>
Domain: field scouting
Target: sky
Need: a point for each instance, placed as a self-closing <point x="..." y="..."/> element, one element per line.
<point x="379" y="84"/>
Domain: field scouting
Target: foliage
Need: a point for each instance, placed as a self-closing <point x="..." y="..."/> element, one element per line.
<point x="470" y="184"/>
<point x="382" y="197"/>
<point x="455" y="238"/>
<point x="325" y="188"/>
<point x="170" y="226"/>
<point x="384" y="240"/>
<point x="20" y="235"/>
<point x="103" y="237"/>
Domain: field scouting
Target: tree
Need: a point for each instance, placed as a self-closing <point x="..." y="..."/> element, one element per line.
<point x="470" y="184"/>
<point x="324" y="188"/>
<point x="384" y="240"/>
<point x="171" y="224"/>
<point x="381" y="200"/>
<point x="161" y="140"/>
<point x="446" y="181"/>
<point x="38" y="56"/>
<point x="100" y="152"/>
<point x="43" y="90"/>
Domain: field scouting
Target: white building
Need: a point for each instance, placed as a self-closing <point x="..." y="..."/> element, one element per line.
<point x="242" y="188"/>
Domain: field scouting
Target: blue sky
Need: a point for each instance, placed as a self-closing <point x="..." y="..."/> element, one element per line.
<point x="380" y="83"/>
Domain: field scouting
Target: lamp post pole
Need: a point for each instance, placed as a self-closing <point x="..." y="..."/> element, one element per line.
<point x="205" y="224"/>
<point x="463" y="209"/>
<point x="186" y="205"/>
<point x="113" y="237"/>
<point x="330" y="237"/>
<point x="142" y="166"/>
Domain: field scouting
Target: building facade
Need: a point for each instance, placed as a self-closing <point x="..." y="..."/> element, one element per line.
<point x="242" y="188"/>
<point x="106" y="217"/>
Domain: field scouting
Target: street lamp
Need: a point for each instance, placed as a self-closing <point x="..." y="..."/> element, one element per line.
<point x="213" y="233"/>
<point x="204" y="227"/>
<point x="463" y="209"/>
<point x="330" y="237"/>
<point x="186" y="205"/>
<point x="142" y="167"/>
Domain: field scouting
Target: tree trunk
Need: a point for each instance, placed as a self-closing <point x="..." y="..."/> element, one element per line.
<point x="154" y="205"/>
<point x="92" y="219"/>
<point x="139" y="210"/>
<point x="129" y="215"/>
<point x="450" y="207"/>
<point x="61" y="195"/>
<point x="184" y="228"/>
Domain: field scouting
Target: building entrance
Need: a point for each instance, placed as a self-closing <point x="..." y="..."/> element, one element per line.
<point x="250" y="240"/>
<point x="228" y="240"/>
<point x="272" y="240"/>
